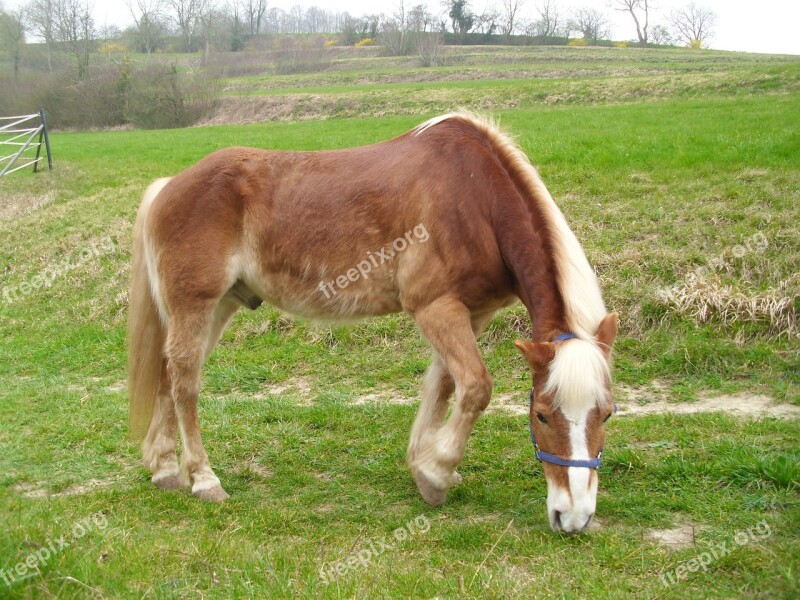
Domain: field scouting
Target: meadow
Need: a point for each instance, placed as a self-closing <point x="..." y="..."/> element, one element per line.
<point x="677" y="170"/>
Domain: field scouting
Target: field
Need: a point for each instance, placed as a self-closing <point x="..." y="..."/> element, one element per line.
<point x="679" y="173"/>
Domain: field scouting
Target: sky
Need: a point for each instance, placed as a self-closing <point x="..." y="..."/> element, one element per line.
<point x="768" y="26"/>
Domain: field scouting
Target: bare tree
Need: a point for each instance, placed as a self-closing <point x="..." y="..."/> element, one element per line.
<point x="510" y="10"/>
<point x="41" y="18"/>
<point x="74" y="27"/>
<point x="12" y="34"/>
<point x="254" y="11"/>
<point x="693" y="24"/>
<point x="486" y="22"/>
<point x="394" y="32"/>
<point x="640" y="11"/>
<point x="419" y="19"/>
<point x="549" y="21"/>
<point x="148" y="22"/>
<point x="592" y="23"/>
<point x="188" y="16"/>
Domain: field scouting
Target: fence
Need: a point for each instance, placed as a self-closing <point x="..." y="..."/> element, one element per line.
<point x="18" y="134"/>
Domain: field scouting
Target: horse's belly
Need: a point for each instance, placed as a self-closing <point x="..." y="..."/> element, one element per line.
<point x="330" y="298"/>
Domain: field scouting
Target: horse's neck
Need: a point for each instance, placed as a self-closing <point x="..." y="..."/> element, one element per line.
<point x="528" y="252"/>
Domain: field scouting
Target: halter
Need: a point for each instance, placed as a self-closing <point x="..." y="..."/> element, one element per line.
<point x="541" y="456"/>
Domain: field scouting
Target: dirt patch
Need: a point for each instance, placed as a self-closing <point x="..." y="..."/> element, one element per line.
<point x="32" y="490"/>
<point x="120" y="386"/>
<point x="296" y="386"/>
<point x="653" y="400"/>
<point x="676" y="538"/>
<point x="383" y="397"/>
<point x="631" y="400"/>
<point x="16" y="206"/>
<point x="510" y="403"/>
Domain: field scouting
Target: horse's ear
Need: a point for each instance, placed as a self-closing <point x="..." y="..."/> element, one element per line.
<point x="537" y="354"/>
<point x="607" y="332"/>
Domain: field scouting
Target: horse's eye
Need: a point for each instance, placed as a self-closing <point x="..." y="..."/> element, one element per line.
<point x="541" y="418"/>
<point x="608" y="416"/>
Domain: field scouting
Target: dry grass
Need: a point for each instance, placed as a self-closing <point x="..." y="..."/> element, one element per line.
<point x="709" y="300"/>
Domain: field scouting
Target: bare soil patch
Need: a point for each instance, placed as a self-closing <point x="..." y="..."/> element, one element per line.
<point x="675" y="538"/>
<point x="15" y="206"/>
<point x="654" y="399"/>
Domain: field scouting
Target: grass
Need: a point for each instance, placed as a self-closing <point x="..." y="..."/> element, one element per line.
<point x="654" y="189"/>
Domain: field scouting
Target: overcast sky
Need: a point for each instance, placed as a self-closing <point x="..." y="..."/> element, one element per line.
<point x="762" y="26"/>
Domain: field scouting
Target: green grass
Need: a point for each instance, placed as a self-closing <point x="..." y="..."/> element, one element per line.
<point x="653" y="189"/>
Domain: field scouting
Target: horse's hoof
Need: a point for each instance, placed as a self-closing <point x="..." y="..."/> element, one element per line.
<point x="212" y="494"/>
<point x="172" y="481"/>
<point x="457" y="478"/>
<point x="433" y="495"/>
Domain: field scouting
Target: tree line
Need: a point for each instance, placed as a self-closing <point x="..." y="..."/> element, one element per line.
<point x="193" y="25"/>
<point x="87" y="76"/>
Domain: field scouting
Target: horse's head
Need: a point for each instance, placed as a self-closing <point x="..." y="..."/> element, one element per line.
<point x="570" y="403"/>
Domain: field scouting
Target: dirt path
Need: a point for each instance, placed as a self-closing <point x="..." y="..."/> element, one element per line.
<point x="631" y="400"/>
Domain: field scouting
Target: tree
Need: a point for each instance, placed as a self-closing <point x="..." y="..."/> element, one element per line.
<point x="661" y="36"/>
<point x="394" y="32"/>
<point x="188" y="16"/>
<point x="74" y="27"/>
<point x="12" y="35"/>
<point x="549" y="21"/>
<point x="510" y="10"/>
<point x="41" y="18"/>
<point x="148" y="22"/>
<point x="639" y="10"/>
<point x="693" y="24"/>
<point x="254" y="12"/>
<point x="461" y="16"/>
<point x="592" y="23"/>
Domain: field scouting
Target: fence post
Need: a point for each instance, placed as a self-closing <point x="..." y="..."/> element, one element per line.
<point x="46" y="144"/>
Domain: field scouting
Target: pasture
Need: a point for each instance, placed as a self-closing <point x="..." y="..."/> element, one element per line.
<point x="678" y="172"/>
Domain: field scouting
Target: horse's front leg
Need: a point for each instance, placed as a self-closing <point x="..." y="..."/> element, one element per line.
<point x="435" y="452"/>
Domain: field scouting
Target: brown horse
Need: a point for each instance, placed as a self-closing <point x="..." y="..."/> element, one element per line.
<point x="448" y="222"/>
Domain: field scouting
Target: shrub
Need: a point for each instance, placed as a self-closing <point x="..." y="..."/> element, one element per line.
<point x="578" y="42"/>
<point x="365" y="42"/>
<point x="157" y="97"/>
<point x="301" y="54"/>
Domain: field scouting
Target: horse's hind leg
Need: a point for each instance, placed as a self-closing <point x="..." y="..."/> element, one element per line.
<point x="158" y="447"/>
<point x="191" y="336"/>
<point x="435" y="454"/>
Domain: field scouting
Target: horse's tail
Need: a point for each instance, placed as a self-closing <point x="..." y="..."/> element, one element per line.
<point x="146" y="331"/>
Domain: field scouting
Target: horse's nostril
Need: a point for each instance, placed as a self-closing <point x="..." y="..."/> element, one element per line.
<point x="588" y="521"/>
<point x="558" y="519"/>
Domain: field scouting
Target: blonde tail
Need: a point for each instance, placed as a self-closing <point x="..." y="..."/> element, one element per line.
<point x="146" y="331"/>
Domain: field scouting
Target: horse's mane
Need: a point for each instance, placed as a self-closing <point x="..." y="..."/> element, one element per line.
<point x="577" y="282"/>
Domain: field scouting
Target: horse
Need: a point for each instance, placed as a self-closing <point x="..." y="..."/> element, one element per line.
<point x="448" y="222"/>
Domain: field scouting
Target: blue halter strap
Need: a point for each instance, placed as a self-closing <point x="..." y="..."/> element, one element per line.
<point x="541" y="456"/>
